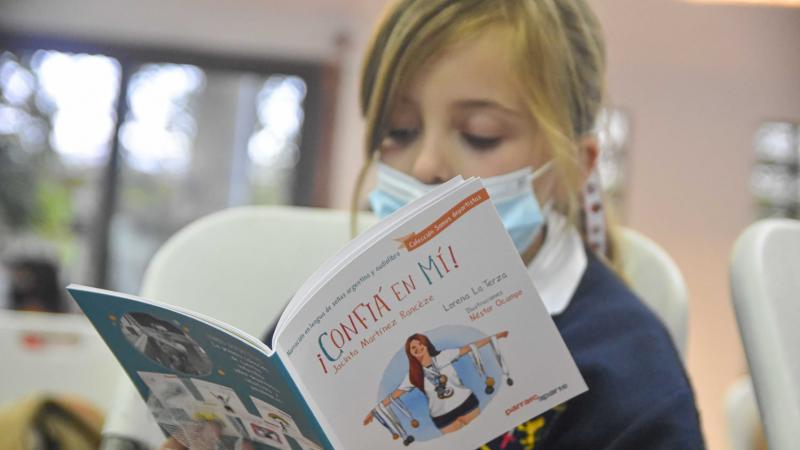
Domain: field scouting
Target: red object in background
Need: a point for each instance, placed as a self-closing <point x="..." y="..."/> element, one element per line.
<point x="38" y="340"/>
<point x="32" y="341"/>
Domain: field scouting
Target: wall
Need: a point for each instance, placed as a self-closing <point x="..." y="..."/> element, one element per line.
<point x="698" y="80"/>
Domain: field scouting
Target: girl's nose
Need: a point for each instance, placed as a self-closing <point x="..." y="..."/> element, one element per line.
<point x="432" y="165"/>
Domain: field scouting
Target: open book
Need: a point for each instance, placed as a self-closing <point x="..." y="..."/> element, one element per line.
<point x="425" y="331"/>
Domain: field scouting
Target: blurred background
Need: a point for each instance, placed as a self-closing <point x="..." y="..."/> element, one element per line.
<point x="122" y="121"/>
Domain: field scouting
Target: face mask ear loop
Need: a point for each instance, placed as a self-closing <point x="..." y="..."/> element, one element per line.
<point x="542" y="170"/>
<point x="594" y="214"/>
<point x="547" y="206"/>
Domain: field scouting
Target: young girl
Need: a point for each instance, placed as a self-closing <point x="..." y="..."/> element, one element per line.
<point x="509" y="90"/>
<point x="451" y="404"/>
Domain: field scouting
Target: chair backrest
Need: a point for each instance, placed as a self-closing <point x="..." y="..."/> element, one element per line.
<point x="765" y="288"/>
<point x="242" y="265"/>
<point x="220" y="261"/>
<point x="741" y="413"/>
<point x="655" y="277"/>
<point x="55" y="354"/>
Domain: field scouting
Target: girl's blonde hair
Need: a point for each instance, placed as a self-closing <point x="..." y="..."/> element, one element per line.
<point x="558" y="55"/>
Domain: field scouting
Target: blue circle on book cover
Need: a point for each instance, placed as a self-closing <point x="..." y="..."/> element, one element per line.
<point x="478" y="371"/>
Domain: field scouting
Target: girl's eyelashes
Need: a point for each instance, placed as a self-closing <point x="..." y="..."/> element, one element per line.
<point x="404" y="136"/>
<point x="481" y="143"/>
<point x="400" y="136"/>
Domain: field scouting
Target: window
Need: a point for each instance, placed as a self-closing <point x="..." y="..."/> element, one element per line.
<point x="107" y="151"/>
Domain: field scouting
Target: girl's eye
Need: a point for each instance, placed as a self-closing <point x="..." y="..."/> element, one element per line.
<point x="401" y="136"/>
<point x="481" y="142"/>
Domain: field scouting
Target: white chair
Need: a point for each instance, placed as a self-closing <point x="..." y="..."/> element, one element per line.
<point x="765" y="288"/>
<point x="741" y="414"/>
<point x="55" y="354"/>
<point x="242" y="265"/>
<point x="655" y="277"/>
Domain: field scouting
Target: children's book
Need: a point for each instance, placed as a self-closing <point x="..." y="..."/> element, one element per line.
<point x="423" y="332"/>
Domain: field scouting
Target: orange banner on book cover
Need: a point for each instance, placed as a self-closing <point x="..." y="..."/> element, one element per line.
<point x="417" y="239"/>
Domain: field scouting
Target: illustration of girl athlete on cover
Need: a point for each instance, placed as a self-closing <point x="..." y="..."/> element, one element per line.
<point x="451" y="404"/>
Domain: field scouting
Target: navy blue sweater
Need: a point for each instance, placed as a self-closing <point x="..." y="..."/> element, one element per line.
<point x="639" y="396"/>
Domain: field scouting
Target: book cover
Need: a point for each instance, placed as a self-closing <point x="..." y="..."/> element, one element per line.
<point x="433" y="336"/>
<point x="425" y="332"/>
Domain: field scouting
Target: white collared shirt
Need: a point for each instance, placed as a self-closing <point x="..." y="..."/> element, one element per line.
<point x="558" y="267"/>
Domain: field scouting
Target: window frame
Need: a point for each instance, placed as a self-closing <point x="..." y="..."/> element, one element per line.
<point x="309" y="187"/>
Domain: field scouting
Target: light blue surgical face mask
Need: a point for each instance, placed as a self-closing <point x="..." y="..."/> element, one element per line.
<point x="512" y="195"/>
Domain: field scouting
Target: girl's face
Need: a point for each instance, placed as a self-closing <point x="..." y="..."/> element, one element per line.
<point x="462" y="115"/>
<point x="417" y="349"/>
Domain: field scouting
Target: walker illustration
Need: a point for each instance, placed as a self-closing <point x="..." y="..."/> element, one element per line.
<point x="451" y="404"/>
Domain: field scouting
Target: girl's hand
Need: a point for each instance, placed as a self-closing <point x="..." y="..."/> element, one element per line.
<point x="502" y="334"/>
<point x="368" y="419"/>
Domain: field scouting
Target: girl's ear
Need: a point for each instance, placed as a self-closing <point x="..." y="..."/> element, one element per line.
<point x="588" y="153"/>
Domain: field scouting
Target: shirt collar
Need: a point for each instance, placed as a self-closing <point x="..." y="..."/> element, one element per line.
<point x="558" y="267"/>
